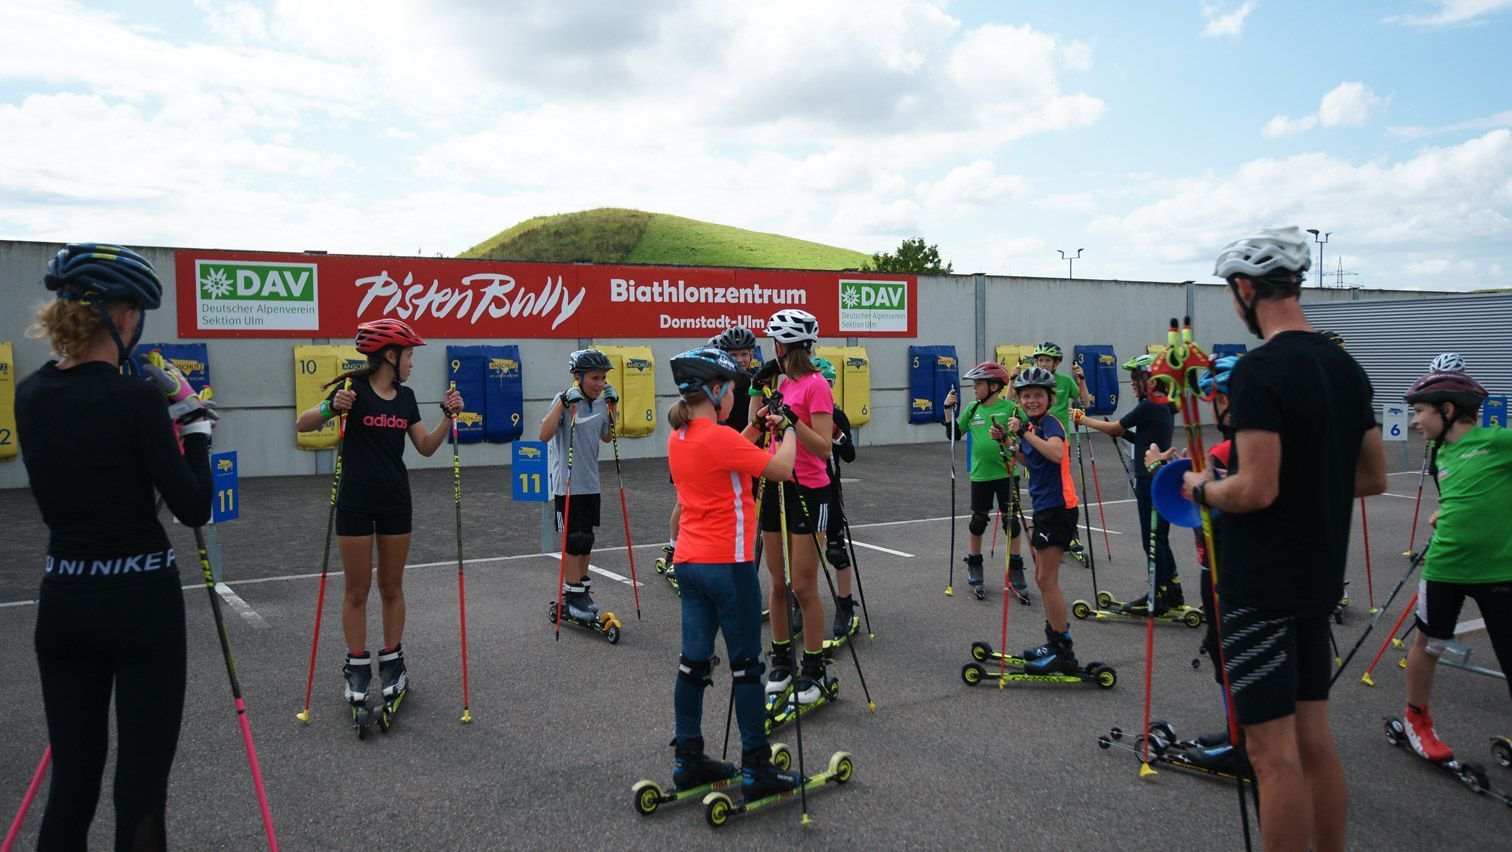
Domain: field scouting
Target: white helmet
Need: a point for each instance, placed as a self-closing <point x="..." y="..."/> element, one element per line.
<point x="793" y="326"/>
<point x="1264" y="252"/>
<point x="1449" y="362"/>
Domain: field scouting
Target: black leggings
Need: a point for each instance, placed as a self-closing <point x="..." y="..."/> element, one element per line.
<point x="92" y="638"/>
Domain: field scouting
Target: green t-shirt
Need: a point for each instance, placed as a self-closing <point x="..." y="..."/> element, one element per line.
<point x="986" y="463"/>
<point x="1066" y="393"/>
<point x="1470" y="543"/>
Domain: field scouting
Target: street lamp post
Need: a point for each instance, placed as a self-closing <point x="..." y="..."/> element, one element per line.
<point x="1070" y="259"/>
<point x="1320" y="240"/>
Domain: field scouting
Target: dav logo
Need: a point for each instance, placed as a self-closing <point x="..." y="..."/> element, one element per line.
<point x="470" y="418"/>
<point x="246" y="294"/>
<point x="507" y="368"/>
<point x="923" y="405"/>
<point x="530" y="452"/>
<point x="640" y="365"/>
<point x="225" y="465"/>
<point x="867" y="305"/>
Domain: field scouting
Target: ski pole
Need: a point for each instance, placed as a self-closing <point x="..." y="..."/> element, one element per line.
<point x="1369" y="580"/>
<point x="624" y="509"/>
<point x="808" y="520"/>
<point x="1128" y="474"/>
<point x="1102" y="516"/>
<point x="1386" y="605"/>
<point x="26" y="801"/>
<point x="461" y="584"/>
<point x="1145" y="771"/>
<point x="236" y="694"/>
<point x="954" y="430"/>
<point x="1418" y="502"/>
<point x="566" y="516"/>
<point x="792" y="603"/>
<point x="1003" y="639"/>
<point x="1390" y="639"/>
<point x="1087" y="548"/>
<point x="850" y="543"/>
<point x="993" y="552"/>
<point x="325" y="562"/>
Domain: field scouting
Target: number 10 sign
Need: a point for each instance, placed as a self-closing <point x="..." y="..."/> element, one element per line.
<point x="529" y="480"/>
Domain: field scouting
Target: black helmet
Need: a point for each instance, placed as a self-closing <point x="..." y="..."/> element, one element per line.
<point x="1335" y="338"/>
<point x="733" y="338"/>
<point x="90" y="272"/>
<point x="588" y="360"/>
<point x="695" y="369"/>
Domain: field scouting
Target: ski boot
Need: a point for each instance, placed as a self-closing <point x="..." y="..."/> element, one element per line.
<point x="974" y="575"/>
<point x="692" y="768"/>
<point x="1470" y="773"/>
<point x="761" y="784"/>
<point x="665" y="567"/>
<point x="1061" y="659"/>
<point x="395" y="680"/>
<point x="1501" y="747"/>
<point x="1043" y="650"/>
<point x="1016" y="579"/>
<point x="846" y="622"/>
<point x="813" y="687"/>
<point x="1208" y="755"/>
<point x="358" y="673"/>
<point x="1343" y="604"/>
<point x="779" y="671"/>
<point x="1422" y="738"/>
<point x="649" y="795"/>
<point x="578" y="608"/>
<point x="1077" y="552"/>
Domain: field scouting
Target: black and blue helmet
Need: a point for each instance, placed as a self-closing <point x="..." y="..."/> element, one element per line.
<point x="101" y="272"/>
<point x="695" y="369"/>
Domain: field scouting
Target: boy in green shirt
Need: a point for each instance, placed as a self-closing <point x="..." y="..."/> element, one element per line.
<point x="1470" y="554"/>
<point x="988" y="467"/>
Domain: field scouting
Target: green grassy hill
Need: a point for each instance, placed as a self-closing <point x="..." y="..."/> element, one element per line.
<point x="613" y="235"/>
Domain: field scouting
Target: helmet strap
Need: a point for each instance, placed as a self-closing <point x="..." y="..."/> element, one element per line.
<point x="123" y="350"/>
<point x="1247" y="308"/>
<point x="1445" y="423"/>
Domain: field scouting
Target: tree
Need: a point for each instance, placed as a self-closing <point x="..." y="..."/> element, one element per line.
<point x="912" y="257"/>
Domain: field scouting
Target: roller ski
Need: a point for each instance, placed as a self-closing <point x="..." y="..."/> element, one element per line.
<point x="1469" y="773"/>
<point x="845" y="626"/>
<point x="814" y="689"/>
<point x="1501" y="747"/>
<point x="762" y="786"/>
<point x="358" y="673"/>
<point x="1053" y="662"/>
<point x="974" y="575"/>
<point x="1343" y="604"/>
<point x="395" y="685"/>
<point x="696" y="775"/>
<point x="1109" y="608"/>
<point x="1211" y="755"/>
<point x="582" y="611"/>
<point x="1077" y="552"/>
<point x="668" y="571"/>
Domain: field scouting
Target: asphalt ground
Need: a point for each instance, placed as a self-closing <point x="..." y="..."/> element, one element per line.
<point x="563" y="729"/>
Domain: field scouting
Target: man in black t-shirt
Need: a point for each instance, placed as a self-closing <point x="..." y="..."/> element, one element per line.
<point x="1148" y="425"/>
<point x="1305" y="446"/>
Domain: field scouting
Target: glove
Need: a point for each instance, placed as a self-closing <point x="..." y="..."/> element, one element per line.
<point x="785" y="417"/>
<point x="766" y="376"/>
<point x="950" y="399"/>
<point x="452" y="404"/>
<point x="610" y="394"/>
<point x="184" y="405"/>
<point x="1076" y="416"/>
<point x="572" y="396"/>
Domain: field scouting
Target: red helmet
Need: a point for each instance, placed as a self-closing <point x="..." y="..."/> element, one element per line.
<point x="1466" y="393"/>
<point x="373" y="337"/>
<point x="990" y="371"/>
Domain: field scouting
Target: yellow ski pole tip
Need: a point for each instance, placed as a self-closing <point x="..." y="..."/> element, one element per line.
<point x="1339" y="661"/>
<point x="1366" y="679"/>
<point x="871" y="706"/>
<point x="1402" y="663"/>
<point x="1374" y="610"/>
<point x="466" y="717"/>
<point x="949" y="592"/>
<point x="1146" y="772"/>
<point x="871" y="637"/>
<point x="303" y="716"/>
<point x="807" y="820"/>
<point x="1396" y="643"/>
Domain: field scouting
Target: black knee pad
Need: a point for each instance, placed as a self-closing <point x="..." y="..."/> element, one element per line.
<point x="978" y="523"/>
<point x="1011" y="526"/>
<point x="836" y="554"/>
<point x="747" y="671"/>
<point x="695" y="672"/>
<point x="579" y="543"/>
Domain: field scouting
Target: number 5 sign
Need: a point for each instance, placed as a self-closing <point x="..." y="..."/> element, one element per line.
<point x="1394" y="423"/>
<point x="528" y="472"/>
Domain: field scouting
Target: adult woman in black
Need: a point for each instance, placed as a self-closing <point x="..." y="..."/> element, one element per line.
<point x="110" y="612"/>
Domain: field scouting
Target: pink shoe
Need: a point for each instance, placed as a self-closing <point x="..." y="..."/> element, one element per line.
<point x="1424" y="740"/>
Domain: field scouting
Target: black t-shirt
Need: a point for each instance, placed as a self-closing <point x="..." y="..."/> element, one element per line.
<point x="373" y="476"/>
<point x="740" y="411"/>
<point x="96" y="444"/>
<point x="1149" y="423"/>
<point x="1290" y="556"/>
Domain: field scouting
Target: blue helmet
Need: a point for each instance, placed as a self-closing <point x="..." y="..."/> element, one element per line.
<point x="694" y="369"/>
<point x="1218" y="377"/>
<point x="100" y="272"/>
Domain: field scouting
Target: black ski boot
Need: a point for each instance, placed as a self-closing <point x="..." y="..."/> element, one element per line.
<point x="692" y="768"/>
<point x="1173" y="598"/>
<point x="974" y="574"/>
<point x="779" y="670"/>
<point x="845" y="617"/>
<point x="1045" y="649"/>
<point x="759" y="778"/>
<point x="813" y="681"/>
<point x="358" y="672"/>
<point x="579" y="606"/>
<point x="1060" y="660"/>
<point x="1016" y="579"/>
<point x="392" y="674"/>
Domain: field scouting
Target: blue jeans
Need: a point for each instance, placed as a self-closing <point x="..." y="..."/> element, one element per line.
<point x="1165" y="560"/>
<point x="722" y="597"/>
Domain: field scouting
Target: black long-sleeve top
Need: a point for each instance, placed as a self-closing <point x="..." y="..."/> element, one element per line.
<point x="96" y="444"/>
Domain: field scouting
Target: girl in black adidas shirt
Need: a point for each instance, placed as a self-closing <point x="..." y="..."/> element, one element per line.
<point x="110" y="612"/>
<point x="374" y="498"/>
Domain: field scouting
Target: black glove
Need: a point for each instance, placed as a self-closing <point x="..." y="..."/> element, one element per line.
<point x="767" y="375"/>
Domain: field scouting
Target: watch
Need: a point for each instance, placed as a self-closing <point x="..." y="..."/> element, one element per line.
<point x="1199" y="494"/>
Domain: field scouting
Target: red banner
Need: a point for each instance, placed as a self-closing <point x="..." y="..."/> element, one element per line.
<point x="260" y="294"/>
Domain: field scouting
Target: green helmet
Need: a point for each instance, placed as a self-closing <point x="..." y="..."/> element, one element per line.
<point x="826" y="369"/>
<point x="1050" y="350"/>
<point x="1139" y="363"/>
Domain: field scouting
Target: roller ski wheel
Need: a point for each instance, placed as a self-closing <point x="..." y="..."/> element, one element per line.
<point x="362" y="721"/>
<point x="606" y="625"/>
<point x="1501" y="747"/>
<point x="1470" y="773"/>
<point x="1101" y="675"/>
<point x="647" y="796"/>
<point x="390" y="711"/>
<point x="719" y="807"/>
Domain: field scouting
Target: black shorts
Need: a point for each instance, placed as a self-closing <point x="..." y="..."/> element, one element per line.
<point x="1274" y="660"/>
<point x="1001" y="490"/>
<point x="362" y="522"/>
<point x="809" y="516"/>
<point x="1054" y="528"/>
<point x="584" y="511"/>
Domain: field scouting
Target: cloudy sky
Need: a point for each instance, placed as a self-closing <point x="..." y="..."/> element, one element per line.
<point x="1146" y="134"/>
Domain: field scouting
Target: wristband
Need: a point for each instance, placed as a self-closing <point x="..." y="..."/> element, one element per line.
<point x="1199" y="494"/>
<point x="446" y="411"/>
<point x="326" y="412"/>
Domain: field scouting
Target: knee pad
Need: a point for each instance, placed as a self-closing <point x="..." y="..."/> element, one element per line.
<point x="1436" y="647"/>
<point x="1011" y="526"/>
<point x="695" y="672"/>
<point x="978" y="523"/>
<point x="579" y="543"/>
<point x="836" y="555"/>
<point x="748" y="670"/>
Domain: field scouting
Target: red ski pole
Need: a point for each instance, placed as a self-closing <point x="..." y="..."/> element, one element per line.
<point x="26" y="801"/>
<point x="1390" y="635"/>
<point x="325" y="563"/>
<point x="461" y="584"/>
<point x="1369" y="580"/>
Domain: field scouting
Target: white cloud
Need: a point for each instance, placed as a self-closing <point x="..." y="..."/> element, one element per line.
<point x="971" y="185"/>
<point x="1349" y="103"/>
<point x="1452" y="12"/>
<point x="1489" y="122"/>
<point x="1226" y="22"/>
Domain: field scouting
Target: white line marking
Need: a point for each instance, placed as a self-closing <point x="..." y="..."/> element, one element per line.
<point x="1469" y="626"/>
<point x="16" y="603"/>
<point x="239" y="606"/>
<point x="881" y="548"/>
<point x="1402" y="496"/>
<point x="597" y="570"/>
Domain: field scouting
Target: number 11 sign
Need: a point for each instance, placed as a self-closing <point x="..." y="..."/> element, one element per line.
<point x="529" y="480"/>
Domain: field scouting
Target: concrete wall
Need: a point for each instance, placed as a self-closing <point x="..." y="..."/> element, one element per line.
<point x="254" y="379"/>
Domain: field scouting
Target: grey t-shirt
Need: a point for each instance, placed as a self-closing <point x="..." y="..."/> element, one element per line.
<point x="590" y="428"/>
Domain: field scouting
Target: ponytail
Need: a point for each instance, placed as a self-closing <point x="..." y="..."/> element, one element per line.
<point x="798" y="361"/>
<point x="681" y="412"/>
<point x="374" y="362"/>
